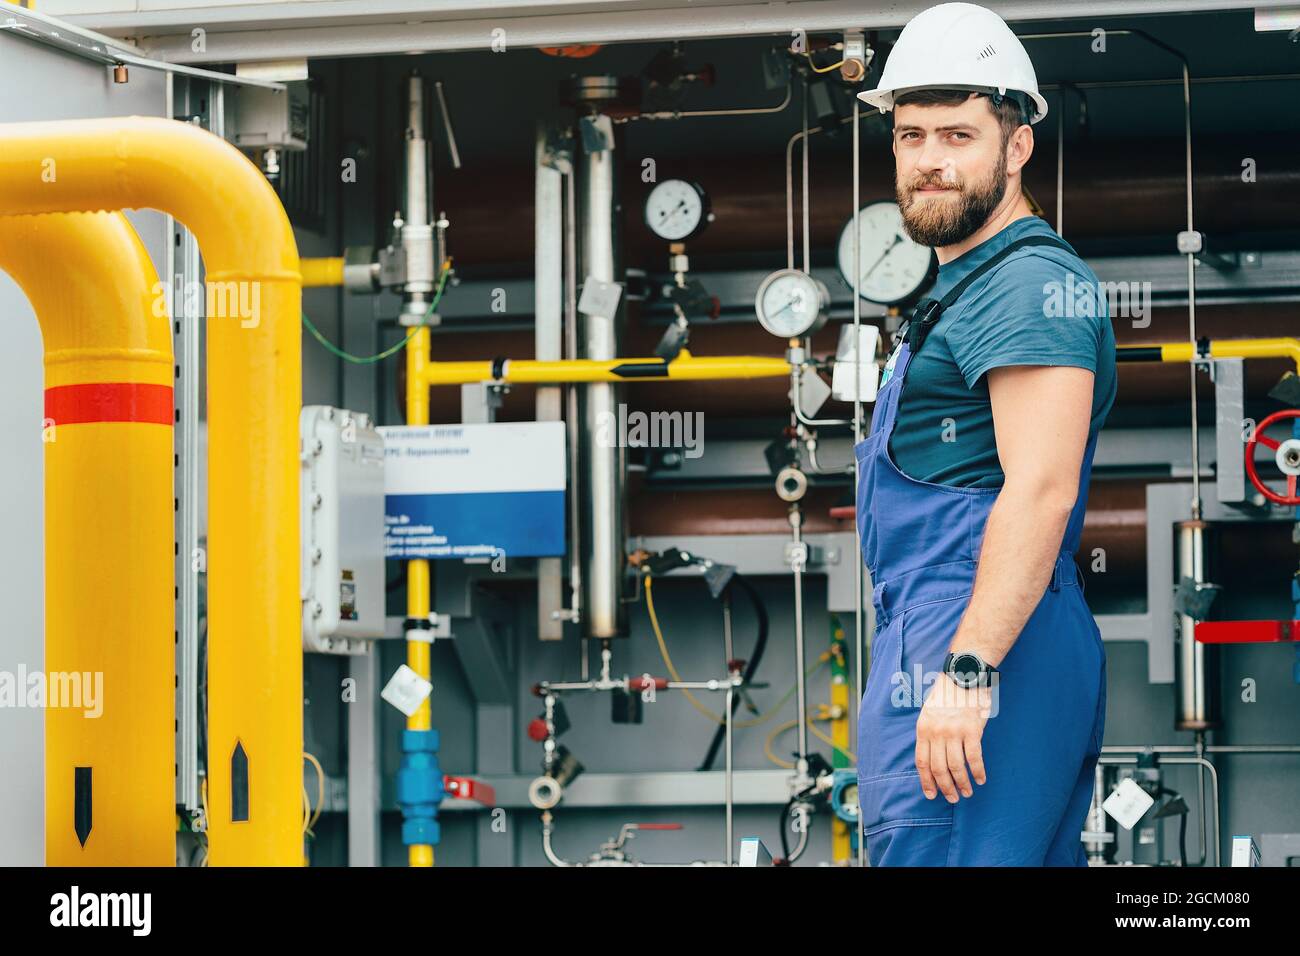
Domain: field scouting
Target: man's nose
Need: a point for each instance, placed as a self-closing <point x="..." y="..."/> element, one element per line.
<point x="933" y="156"/>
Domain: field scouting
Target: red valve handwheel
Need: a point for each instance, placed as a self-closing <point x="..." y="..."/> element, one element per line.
<point x="1293" y="449"/>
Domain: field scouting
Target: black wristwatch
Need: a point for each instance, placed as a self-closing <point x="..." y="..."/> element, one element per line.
<point x="968" y="669"/>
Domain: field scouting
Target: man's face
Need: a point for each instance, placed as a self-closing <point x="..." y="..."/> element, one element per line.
<point x="950" y="168"/>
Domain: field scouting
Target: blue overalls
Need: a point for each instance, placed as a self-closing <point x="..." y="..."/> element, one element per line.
<point x="921" y="542"/>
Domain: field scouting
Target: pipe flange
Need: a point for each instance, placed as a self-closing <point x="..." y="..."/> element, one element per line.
<point x="1288" y="456"/>
<point x="545" y="793"/>
<point x="791" y="484"/>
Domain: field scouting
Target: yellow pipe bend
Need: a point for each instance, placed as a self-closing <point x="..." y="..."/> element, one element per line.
<point x="254" y="393"/>
<point x="109" y="530"/>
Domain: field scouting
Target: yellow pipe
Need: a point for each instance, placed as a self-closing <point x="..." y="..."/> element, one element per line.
<point x="322" y="272"/>
<point x="1287" y="348"/>
<point x="686" y="367"/>
<point x="418" y="653"/>
<point x="109" y="573"/>
<point x="254" y="393"/>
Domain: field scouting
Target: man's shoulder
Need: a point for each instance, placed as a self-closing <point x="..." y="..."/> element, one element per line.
<point x="1032" y="278"/>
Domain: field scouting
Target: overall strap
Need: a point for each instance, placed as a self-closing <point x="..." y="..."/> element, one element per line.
<point x="929" y="311"/>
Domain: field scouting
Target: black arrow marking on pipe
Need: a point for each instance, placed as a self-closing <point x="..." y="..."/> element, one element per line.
<point x="81" y="803"/>
<point x="641" y="370"/>
<point x="239" y="784"/>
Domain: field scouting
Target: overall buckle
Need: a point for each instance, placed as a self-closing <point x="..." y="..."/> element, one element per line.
<point x="924" y="318"/>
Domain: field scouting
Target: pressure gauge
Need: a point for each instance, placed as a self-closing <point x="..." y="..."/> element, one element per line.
<point x="893" y="267"/>
<point x="677" y="209"/>
<point x="791" y="303"/>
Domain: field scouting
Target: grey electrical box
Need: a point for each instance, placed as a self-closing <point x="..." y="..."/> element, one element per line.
<point x="258" y="118"/>
<point x="342" y="531"/>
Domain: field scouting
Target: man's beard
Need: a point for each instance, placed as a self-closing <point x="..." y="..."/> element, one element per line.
<point x="941" y="222"/>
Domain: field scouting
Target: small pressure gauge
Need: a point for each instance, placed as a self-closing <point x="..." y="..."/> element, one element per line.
<point x="677" y="209"/>
<point x="893" y="268"/>
<point x="791" y="303"/>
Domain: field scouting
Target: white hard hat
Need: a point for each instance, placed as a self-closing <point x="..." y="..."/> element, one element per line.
<point x="957" y="46"/>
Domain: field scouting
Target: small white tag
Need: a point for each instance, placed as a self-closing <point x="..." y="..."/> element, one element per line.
<point x="406" y="690"/>
<point x="1128" y="803"/>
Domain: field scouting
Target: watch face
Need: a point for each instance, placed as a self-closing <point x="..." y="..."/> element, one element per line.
<point x="966" y="669"/>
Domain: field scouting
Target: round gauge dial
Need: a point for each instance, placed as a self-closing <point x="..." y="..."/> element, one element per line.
<point x="892" y="267"/>
<point x="677" y="209"/>
<point x="791" y="303"/>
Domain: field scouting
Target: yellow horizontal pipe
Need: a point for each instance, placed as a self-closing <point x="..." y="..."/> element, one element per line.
<point x="254" y="394"/>
<point x="686" y="367"/>
<point x="1257" y="348"/>
<point x="109" y="572"/>
<point x="321" y="272"/>
<point x="1288" y="348"/>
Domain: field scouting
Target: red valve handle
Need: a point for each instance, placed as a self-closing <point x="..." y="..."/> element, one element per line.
<point x="467" y="788"/>
<point x="1291" y="497"/>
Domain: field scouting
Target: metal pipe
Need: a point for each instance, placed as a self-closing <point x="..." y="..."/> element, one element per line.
<point x="417" y="242"/>
<point x="416" y="232"/>
<point x="798" y="557"/>
<point x="685" y="114"/>
<point x="1206" y="767"/>
<point x="1060" y="166"/>
<point x="321" y="272"/>
<point x="108" y="534"/>
<point x="796" y="397"/>
<point x="859" y="625"/>
<point x="591" y="370"/>
<point x="1196" y="674"/>
<point x="419" y="646"/>
<point x="571" y="403"/>
<point x="254" y="394"/>
<point x="807" y="238"/>
<point x="1288" y="348"/>
<point x="604" y="466"/>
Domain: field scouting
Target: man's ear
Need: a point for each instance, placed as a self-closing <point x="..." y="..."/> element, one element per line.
<point x="1019" y="149"/>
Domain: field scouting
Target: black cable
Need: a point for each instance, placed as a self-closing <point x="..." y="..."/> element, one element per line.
<point x="1182" y="821"/>
<point x="785" y="839"/>
<point x="751" y="666"/>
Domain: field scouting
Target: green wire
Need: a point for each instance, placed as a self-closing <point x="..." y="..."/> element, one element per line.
<point x="391" y="350"/>
<point x="348" y="357"/>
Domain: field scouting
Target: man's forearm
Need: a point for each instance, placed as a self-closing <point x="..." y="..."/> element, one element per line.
<point x="1021" y="541"/>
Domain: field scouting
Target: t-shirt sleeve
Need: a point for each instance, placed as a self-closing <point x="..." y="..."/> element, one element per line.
<point x="1030" y="310"/>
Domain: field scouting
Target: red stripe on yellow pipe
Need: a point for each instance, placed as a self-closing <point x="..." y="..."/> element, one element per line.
<point x="109" y="402"/>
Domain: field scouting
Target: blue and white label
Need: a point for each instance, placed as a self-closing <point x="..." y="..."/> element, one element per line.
<point x="474" y="491"/>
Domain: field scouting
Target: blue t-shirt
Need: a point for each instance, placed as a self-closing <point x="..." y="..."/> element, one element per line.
<point x="1041" y="305"/>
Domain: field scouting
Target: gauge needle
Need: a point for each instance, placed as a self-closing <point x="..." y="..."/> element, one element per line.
<point x="672" y="212"/>
<point x="788" y="305"/>
<point x="888" y="249"/>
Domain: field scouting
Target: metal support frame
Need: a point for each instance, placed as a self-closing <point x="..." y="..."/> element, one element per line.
<point x="201" y="103"/>
<point x="1167" y="504"/>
